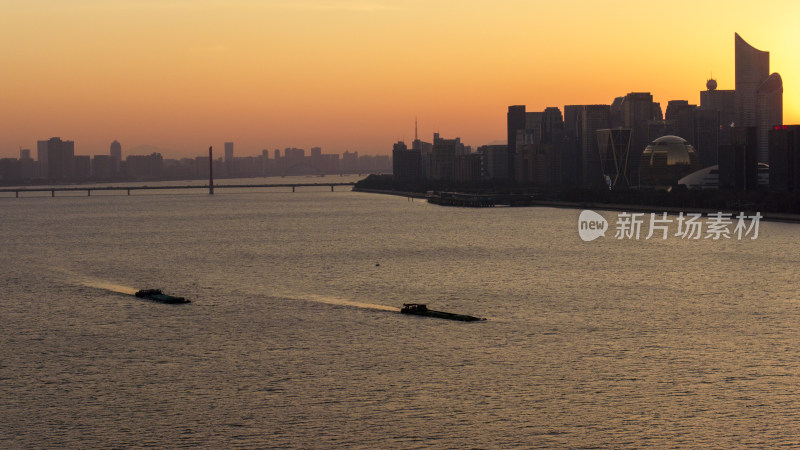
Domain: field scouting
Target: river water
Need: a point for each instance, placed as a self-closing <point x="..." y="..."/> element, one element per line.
<point x="293" y="337"/>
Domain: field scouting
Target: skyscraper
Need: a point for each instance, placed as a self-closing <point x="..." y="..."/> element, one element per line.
<point x="759" y="95"/>
<point x="60" y="159"/>
<point x="716" y="105"/>
<point x="738" y="162"/>
<point x="406" y="164"/>
<point x="769" y="112"/>
<point x="707" y="133"/>
<point x="228" y="152"/>
<point x="571" y="164"/>
<point x="784" y="156"/>
<point x="593" y="118"/>
<point x="723" y="101"/>
<point x="752" y="68"/>
<point x="532" y="134"/>
<point x="679" y="120"/>
<point x="116" y="155"/>
<point x="229" y="169"/>
<point x="495" y="164"/>
<point x="552" y="123"/>
<point x="41" y="157"/>
<point x="638" y="110"/>
<point x="516" y="121"/>
<point x="444" y="156"/>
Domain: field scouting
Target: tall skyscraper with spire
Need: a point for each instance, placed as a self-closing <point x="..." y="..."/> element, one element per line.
<point x="759" y="95"/>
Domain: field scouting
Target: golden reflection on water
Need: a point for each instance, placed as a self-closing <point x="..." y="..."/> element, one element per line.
<point x="94" y="282"/>
<point x="344" y="302"/>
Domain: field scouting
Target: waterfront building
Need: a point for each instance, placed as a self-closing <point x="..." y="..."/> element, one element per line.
<point x="9" y="170"/>
<point x="443" y="157"/>
<point x="679" y="120"/>
<point x="616" y="113"/>
<point x="708" y="177"/>
<point x="467" y="168"/>
<point x="294" y="154"/>
<point x="28" y="168"/>
<point x="593" y="118"/>
<point x="707" y="132"/>
<point x="769" y="112"/>
<point x="738" y="161"/>
<point x="349" y="162"/>
<point x="784" y="156"/>
<point x="638" y="110"/>
<point x="666" y="160"/>
<point x="724" y="102"/>
<point x="752" y="68"/>
<point x="41" y="158"/>
<point x="228" y="152"/>
<point x="494" y="162"/>
<point x="614" y="147"/>
<point x="83" y="167"/>
<point x="103" y="167"/>
<point x="229" y="166"/>
<point x="60" y="159"/>
<point x="571" y="157"/>
<point x="552" y="124"/>
<point x="655" y="129"/>
<point x="532" y="133"/>
<point x="406" y="164"/>
<point x="538" y="164"/>
<point x="146" y="166"/>
<point x="115" y="151"/>
<point x="516" y="120"/>
<point x="758" y="96"/>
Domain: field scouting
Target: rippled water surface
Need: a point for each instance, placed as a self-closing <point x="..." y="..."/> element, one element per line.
<point x="293" y="338"/>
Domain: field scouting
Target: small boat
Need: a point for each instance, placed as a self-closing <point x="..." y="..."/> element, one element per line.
<point x="157" y="296"/>
<point x="419" y="309"/>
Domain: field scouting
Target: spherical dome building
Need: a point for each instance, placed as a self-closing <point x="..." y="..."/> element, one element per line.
<point x="666" y="160"/>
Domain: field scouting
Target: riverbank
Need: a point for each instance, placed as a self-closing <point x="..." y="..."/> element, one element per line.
<point x="390" y="192"/>
<point x="777" y="217"/>
<point x="618" y="207"/>
<point x="782" y="206"/>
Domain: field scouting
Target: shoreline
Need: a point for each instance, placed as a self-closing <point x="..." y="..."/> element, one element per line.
<point x="619" y="207"/>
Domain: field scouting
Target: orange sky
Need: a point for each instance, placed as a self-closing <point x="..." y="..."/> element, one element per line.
<point x="352" y="74"/>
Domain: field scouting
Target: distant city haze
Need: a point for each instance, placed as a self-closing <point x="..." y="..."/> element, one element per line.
<point x="349" y="75"/>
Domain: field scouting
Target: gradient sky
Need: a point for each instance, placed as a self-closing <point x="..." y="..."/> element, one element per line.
<point x="352" y="74"/>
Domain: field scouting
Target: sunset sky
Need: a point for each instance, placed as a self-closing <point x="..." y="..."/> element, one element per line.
<point x="181" y="75"/>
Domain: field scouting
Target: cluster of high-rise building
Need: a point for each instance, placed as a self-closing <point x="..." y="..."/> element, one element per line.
<point x="631" y="142"/>
<point x="57" y="163"/>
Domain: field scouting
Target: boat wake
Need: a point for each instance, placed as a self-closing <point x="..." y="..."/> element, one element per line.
<point x="344" y="302"/>
<point x="108" y="286"/>
<point x="97" y="283"/>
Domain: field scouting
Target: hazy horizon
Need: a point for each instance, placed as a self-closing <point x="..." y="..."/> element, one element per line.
<point x="353" y="75"/>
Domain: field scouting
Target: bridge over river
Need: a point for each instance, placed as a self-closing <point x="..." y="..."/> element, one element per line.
<point x="211" y="188"/>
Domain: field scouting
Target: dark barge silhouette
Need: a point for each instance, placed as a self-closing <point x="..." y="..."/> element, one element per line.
<point x="157" y="296"/>
<point x="419" y="309"/>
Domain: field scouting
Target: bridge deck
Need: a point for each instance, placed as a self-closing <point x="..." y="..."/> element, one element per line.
<point x="89" y="189"/>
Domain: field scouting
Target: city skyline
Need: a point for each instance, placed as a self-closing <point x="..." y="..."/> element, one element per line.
<point x="347" y="75"/>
